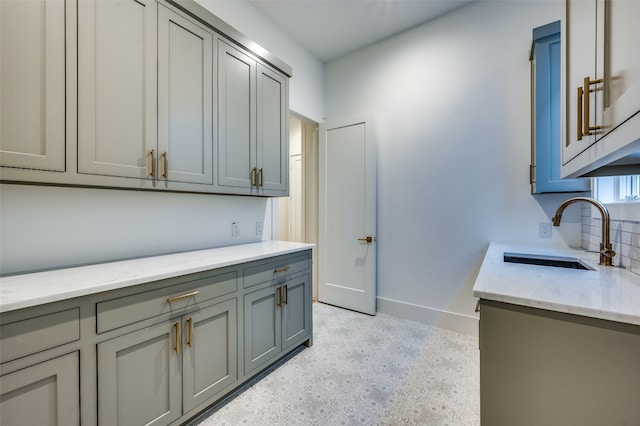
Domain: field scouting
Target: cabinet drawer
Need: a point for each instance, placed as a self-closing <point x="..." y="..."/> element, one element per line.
<point x="275" y="269"/>
<point x="121" y="311"/>
<point x="32" y="335"/>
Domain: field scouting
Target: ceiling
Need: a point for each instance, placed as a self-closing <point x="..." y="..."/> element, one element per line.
<point x="331" y="28"/>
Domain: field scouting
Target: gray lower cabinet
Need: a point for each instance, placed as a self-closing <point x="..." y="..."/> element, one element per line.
<point x="276" y="318"/>
<point x="139" y="377"/>
<point x="156" y="353"/>
<point x="155" y="375"/>
<point x="540" y="367"/>
<point x="210" y="357"/>
<point x="47" y="393"/>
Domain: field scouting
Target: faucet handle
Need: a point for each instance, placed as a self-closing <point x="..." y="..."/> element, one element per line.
<point x="608" y="252"/>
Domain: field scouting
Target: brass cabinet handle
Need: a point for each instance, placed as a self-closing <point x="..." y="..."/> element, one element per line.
<point x="286" y="295"/>
<point x="152" y="154"/>
<point x="190" y="335"/>
<point x="579" y="110"/>
<point x="366" y="239"/>
<point x="165" y="163"/>
<point x="586" y="93"/>
<point x="260" y="178"/>
<point x="253" y="176"/>
<point x="279" y="297"/>
<point x="182" y="296"/>
<point x="177" y="327"/>
<point x="283" y="269"/>
<point x="477" y="309"/>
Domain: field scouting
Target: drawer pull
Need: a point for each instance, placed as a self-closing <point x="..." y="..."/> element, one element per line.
<point x="177" y="327"/>
<point x="277" y="271"/>
<point x="190" y="336"/>
<point x="182" y="296"/>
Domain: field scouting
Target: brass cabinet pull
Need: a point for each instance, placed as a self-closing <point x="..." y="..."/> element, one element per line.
<point x="177" y="327"/>
<point x="366" y="239"/>
<point x="182" y="296"/>
<point x="283" y="269"/>
<point x="152" y="154"/>
<point x="260" y="178"/>
<point x="477" y="309"/>
<point x="165" y="164"/>
<point x="579" y="109"/>
<point x="190" y="335"/>
<point x="586" y="94"/>
<point x="279" y="297"/>
<point x="286" y="295"/>
<point x="253" y="176"/>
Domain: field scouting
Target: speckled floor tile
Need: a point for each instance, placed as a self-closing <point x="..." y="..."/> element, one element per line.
<point x="365" y="370"/>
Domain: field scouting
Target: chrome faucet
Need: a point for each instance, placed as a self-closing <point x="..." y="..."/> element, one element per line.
<point x="606" y="251"/>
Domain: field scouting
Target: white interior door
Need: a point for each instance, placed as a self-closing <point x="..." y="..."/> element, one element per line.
<point x="347" y="215"/>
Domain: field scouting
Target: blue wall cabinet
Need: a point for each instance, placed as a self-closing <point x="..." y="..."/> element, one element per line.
<point x="546" y="130"/>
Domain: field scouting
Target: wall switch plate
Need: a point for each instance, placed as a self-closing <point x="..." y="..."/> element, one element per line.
<point x="259" y="227"/>
<point x="235" y="229"/>
<point x="544" y="230"/>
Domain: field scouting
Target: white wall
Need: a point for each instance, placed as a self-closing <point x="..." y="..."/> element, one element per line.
<point x="307" y="84"/>
<point x="452" y="122"/>
<point x="47" y="227"/>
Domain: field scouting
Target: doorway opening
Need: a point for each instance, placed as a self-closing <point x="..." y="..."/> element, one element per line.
<point x="298" y="213"/>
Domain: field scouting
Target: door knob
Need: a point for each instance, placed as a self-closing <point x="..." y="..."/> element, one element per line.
<point x="366" y="239"/>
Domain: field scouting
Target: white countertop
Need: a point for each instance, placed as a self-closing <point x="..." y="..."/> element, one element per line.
<point x="26" y="290"/>
<point x="609" y="293"/>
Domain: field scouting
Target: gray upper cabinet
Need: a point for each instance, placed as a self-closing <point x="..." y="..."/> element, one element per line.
<point x="253" y="129"/>
<point x="272" y="128"/>
<point x="185" y="99"/>
<point x="32" y="88"/>
<point x="158" y="99"/>
<point x="236" y="123"/>
<point x="117" y="84"/>
<point x="603" y="86"/>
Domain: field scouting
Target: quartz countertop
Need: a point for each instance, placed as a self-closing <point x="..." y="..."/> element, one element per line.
<point x="609" y="293"/>
<point x="32" y="289"/>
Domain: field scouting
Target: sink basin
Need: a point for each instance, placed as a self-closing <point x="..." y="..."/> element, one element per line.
<point x="542" y="260"/>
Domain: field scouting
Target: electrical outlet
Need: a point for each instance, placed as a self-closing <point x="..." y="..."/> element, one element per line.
<point x="235" y="229"/>
<point x="259" y="226"/>
<point x="544" y="230"/>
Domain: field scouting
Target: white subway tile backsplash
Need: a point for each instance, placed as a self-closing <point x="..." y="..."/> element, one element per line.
<point x="625" y="238"/>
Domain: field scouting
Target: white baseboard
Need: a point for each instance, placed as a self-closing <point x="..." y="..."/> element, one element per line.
<point x="460" y="323"/>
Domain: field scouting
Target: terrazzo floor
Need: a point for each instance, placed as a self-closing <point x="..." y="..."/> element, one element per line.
<point x="364" y="370"/>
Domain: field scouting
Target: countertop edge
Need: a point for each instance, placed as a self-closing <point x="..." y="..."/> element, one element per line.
<point x="490" y="285"/>
<point x="68" y="283"/>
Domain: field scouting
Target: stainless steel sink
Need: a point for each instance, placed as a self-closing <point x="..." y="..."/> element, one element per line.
<point x="542" y="260"/>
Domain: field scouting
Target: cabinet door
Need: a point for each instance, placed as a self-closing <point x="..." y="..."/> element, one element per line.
<point x="237" y="123"/>
<point x="117" y="85"/>
<point x="32" y="84"/>
<point x="185" y="100"/>
<point x="622" y="61"/>
<point x="296" y="311"/>
<point x="139" y="377"/>
<point x="210" y="359"/>
<point x="262" y="327"/>
<point x="581" y="62"/>
<point x="43" y="394"/>
<point x="273" y="131"/>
